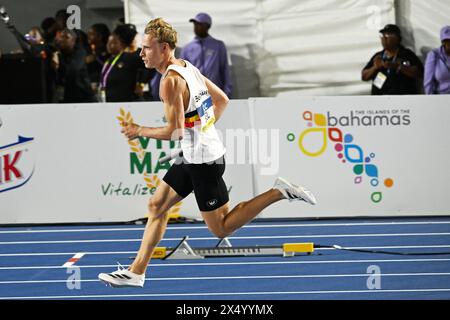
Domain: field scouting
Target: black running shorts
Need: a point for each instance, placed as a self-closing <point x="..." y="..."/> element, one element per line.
<point x="204" y="179"/>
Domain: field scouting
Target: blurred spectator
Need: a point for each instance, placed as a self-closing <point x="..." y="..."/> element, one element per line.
<point x="72" y="70"/>
<point x="26" y="46"/>
<point x="129" y="34"/>
<point x="61" y="18"/>
<point x="98" y="35"/>
<point x="437" y="67"/>
<point x="154" y="85"/>
<point x="395" y="70"/>
<point x="123" y="75"/>
<point x="34" y="36"/>
<point x="48" y="26"/>
<point x="208" y="54"/>
<point x="47" y="52"/>
<point x="34" y="46"/>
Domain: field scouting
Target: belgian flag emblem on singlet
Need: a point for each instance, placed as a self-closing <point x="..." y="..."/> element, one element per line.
<point x="203" y="116"/>
<point x="206" y="113"/>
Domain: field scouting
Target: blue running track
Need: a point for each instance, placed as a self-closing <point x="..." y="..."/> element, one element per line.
<point x="32" y="259"/>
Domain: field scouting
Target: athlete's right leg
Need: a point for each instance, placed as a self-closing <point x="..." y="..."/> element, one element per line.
<point x="164" y="198"/>
<point x="175" y="186"/>
<point x="158" y="207"/>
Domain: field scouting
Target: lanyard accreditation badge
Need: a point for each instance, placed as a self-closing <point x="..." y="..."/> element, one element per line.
<point x="206" y="113"/>
<point x="380" y="80"/>
<point x="107" y="67"/>
<point x="106" y="70"/>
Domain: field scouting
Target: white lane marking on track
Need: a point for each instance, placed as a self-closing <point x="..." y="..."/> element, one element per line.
<point x="244" y="227"/>
<point x="312" y="276"/>
<point x="134" y="252"/>
<point x="238" y="238"/>
<point x="203" y="264"/>
<point x="229" y="294"/>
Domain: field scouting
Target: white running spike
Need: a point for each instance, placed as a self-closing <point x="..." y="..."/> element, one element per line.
<point x="294" y="192"/>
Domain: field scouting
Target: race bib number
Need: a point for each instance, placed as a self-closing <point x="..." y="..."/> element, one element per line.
<point x="206" y="113"/>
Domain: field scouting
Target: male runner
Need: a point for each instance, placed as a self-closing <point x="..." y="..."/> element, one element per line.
<point x="192" y="104"/>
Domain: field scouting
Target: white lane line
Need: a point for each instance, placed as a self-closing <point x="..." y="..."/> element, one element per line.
<point x="203" y="264"/>
<point x="311" y="276"/>
<point x="93" y="253"/>
<point x="245" y="227"/>
<point x="73" y="260"/>
<point x="238" y="238"/>
<point x="211" y="294"/>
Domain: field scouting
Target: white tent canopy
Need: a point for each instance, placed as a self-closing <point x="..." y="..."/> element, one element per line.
<point x="308" y="47"/>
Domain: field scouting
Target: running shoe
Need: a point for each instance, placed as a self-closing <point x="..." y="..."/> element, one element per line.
<point x="122" y="278"/>
<point x="293" y="192"/>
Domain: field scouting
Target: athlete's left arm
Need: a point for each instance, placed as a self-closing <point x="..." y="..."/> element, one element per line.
<point x="219" y="98"/>
<point x="172" y="88"/>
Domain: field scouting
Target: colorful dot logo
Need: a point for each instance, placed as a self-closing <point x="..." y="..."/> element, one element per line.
<point x="348" y="152"/>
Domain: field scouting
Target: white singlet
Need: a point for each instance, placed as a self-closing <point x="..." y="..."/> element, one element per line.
<point x="201" y="142"/>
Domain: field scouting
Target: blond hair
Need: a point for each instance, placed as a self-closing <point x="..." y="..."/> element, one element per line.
<point x="162" y="31"/>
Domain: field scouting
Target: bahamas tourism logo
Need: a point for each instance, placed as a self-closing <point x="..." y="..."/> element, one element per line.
<point x="142" y="162"/>
<point x="16" y="164"/>
<point x="323" y="132"/>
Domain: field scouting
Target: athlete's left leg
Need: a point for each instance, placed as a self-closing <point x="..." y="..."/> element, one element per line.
<point x="222" y="222"/>
<point x="213" y="201"/>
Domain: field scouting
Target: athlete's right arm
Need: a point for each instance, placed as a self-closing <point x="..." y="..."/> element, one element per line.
<point x="219" y="98"/>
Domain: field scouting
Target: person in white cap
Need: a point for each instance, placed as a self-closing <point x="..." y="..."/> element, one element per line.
<point x="437" y="67"/>
<point x="192" y="104"/>
<point x="208" y="54"/>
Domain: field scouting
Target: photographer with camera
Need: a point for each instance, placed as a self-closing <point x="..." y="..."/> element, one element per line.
<point x="395" y="70"/>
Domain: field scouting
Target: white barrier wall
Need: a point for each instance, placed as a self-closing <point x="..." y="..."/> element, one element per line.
<point x="362" y="156"/>
<point x="78" y="167"/>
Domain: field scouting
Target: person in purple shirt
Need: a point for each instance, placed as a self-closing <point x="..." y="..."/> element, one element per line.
<point x="437" y="67"/>
<point x="209" y="55"/>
